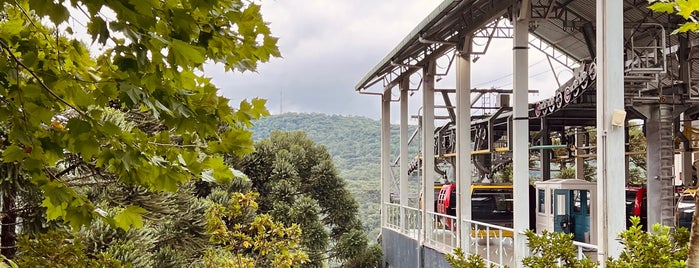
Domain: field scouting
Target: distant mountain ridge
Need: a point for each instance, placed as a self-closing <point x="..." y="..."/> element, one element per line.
<point x="353" y="142"/>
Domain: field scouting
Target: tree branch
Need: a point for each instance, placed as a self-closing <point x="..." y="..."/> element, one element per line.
<point x="68" y="169"/>
<point x="177" y="145"/>
<point x="41" y="82"/>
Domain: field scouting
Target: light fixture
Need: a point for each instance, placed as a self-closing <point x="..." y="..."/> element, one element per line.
<point x="618" y="117"/>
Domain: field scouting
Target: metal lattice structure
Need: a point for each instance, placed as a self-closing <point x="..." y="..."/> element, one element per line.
<point x="656" y="70"/>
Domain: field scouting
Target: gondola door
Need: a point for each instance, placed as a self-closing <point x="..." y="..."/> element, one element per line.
<point x="562" y="204"/>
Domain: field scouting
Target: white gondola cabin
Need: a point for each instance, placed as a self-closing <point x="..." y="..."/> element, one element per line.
<point x="567" y="205"/>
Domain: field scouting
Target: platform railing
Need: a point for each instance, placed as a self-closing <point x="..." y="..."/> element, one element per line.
<point x="494" y="243"/>
<point x="412" y="221"/>
<point x="393" y="216"/>
<point x="583" y="248"/>
<point x="442" y="232"/>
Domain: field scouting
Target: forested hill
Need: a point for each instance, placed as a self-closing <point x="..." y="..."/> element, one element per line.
<point x="353" y="142"/>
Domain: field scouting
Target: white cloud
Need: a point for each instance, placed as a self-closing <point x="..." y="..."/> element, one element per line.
<point x="328" y="46"/>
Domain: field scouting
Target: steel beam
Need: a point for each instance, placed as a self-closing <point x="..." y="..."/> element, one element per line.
<point x="610" y="139"/>
<point x="386" y="176"/>
<point x="404" y="157"/>
<point x="463" y="147"/>
<point x="428" y="172"/>
<point x="520" y="140"/>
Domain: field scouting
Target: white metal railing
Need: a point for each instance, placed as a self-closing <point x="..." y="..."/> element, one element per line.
<point x="442" y="232"/>
<point x="392" y="216"/>
<point x="412" y="219"/>
<point x="494" y="243"/>
<point x="584" y="250"/>
<point x="585" y="247"/>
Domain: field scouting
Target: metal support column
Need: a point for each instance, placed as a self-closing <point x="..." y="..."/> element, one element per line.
<point x="428" y="172"/>
<point x="404" y="139"/>
<point x="386" y="178"/>
<point x="610" y="139"/>
<point x="463" y="146"/>
<point x="661" y="157"/>
<point x="520" y="140"/>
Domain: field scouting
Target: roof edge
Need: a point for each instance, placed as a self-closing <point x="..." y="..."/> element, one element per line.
<point x="411" y="37"/>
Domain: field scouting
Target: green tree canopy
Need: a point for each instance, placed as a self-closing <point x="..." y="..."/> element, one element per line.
<point x="57" y="102"/>
<point x="298" y="184"/>
<point x="687" y="9"/>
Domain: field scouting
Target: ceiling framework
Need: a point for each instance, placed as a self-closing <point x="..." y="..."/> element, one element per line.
<point x="564" y="31"/>
<point x="660" y="81"/>
<point x="448" y="24"/>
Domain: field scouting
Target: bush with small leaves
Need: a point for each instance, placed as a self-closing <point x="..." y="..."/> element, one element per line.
<point x="459" y="260"/>
<point x="553" y="249"/>
<point x="661" y="247"/>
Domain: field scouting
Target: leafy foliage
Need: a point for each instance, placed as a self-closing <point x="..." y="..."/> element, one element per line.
<point x="299" y="184"/>
<point x="458" y="260"/>
<point x="661" y="247"/>
<point x="259" y="243"/>
<point x="66" y="114"/>
<point x="354" y="144"/>
<point x="59" y="249"/>
<point x="553" y="249"/>
<point x="687" y="9"/>
<point x="173" y="232"/>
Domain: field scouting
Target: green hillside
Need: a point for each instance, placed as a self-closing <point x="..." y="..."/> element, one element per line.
<point x="353" y="142"/>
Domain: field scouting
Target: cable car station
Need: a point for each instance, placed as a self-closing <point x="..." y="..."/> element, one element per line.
<point x="625" y="65"/>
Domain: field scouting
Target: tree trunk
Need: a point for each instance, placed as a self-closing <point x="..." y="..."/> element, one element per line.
<point x="693" y="254"/>
<point x="8" y="233"/>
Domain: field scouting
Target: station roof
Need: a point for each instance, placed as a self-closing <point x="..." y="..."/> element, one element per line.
<point x="567" y="26"/>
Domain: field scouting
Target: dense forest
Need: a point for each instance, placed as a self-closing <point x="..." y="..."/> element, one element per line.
<point x="353" y="143"/>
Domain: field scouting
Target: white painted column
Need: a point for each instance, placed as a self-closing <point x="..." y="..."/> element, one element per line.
<point x="463" y="147"/>
<point x="610" y="139"/>
<point x="427" y="148"/>
<point x="520" y="139"/>
<point x="386" y="179"/>
<point x="404" y="157"/>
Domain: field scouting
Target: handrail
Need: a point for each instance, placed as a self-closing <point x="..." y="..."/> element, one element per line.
<point x="492" y="242"/>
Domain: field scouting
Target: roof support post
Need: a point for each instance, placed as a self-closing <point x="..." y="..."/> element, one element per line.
<point x="463" y="147"/>
<point x="404" y="157"/>
<point x="610" y="139"/>
<point x="520" y="140"/>
<point x="386" y="177"/>
<point x="428" y="172"/>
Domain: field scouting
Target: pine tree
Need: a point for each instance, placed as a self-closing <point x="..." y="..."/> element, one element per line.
<point x="298" y="184"/>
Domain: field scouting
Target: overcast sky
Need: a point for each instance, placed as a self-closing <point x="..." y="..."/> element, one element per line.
<point x="328" y="46"/>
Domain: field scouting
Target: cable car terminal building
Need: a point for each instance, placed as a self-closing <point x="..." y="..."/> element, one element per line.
<point x="626" y="65"/>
